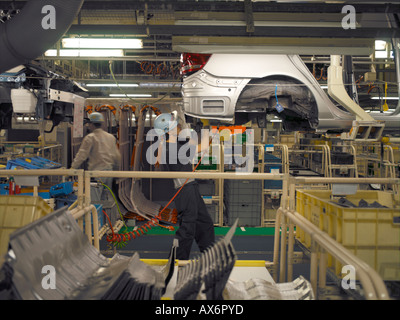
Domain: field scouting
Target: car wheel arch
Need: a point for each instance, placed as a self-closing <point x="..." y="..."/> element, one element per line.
<point x="292" y="93"/>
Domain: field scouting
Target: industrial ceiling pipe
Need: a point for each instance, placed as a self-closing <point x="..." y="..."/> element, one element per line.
<point x="38" y="26"/>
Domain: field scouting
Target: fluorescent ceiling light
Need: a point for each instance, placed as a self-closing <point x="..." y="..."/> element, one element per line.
<point x="387" y="98"/>
<point x="135" y="95"/>
<point x="324" y="87"/>
<point x="112" y="85"/>
<point x="235" y="23"/>
<point x="102" y="43"/>
<point x="160" y="85"/>
<point x="381" y="54"/>
<point x="275" y="120"/>
<point x="84" y="53"/>
<point x="376" y="111"/>
<point x="380" y="45"/>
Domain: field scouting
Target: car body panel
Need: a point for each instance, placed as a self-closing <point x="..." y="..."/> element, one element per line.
<point x="214" y="91"/>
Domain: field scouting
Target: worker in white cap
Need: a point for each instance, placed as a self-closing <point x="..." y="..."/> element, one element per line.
<point x="195" y="223"/>
<point x="99" y="148"/>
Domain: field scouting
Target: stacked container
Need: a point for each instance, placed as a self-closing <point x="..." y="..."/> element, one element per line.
<point x="242" y="199"/>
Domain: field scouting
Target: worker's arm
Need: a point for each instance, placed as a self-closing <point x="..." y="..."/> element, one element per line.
<point x="83" y="153"/>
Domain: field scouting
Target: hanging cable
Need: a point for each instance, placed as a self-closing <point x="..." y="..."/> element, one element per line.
<point x="115" y="200"/>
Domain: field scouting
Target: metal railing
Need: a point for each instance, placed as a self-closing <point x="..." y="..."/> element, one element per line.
<point x="80" y="210"/>
<point x="286" y="217"/>
<point x="322" y="243"/>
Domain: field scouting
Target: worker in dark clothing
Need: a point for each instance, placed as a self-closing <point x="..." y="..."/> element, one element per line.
<point x="195" y="223"/>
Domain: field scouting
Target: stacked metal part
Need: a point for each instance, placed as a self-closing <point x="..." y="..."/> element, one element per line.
<point x="136" y="282"/>
<point x="51" y="259"/>
<point x="125" y="148"/>
<point x="206" y="276"/>
<point x="260" y="289"/>
<point x="130" y="191"/>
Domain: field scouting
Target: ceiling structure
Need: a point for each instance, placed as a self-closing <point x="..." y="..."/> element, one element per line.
<point x="312" y="29"/>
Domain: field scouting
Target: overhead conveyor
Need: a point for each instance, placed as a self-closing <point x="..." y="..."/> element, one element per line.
<point x="365" y="127"/>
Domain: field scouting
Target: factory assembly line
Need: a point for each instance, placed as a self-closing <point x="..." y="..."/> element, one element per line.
<point x="220" y="151"/>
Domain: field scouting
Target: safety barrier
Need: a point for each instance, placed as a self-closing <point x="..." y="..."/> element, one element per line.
<point x="371" y="282"/>
<point x="322" y="243"/>
<point x="373" y="285"/>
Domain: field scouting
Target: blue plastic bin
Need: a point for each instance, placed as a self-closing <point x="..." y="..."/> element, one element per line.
<point x="268" y="158"/>
<point x="32" y="163"/>
<point x="62" y="189"/>
<point x="62" y="202"/>
<point x="45" y="163"/>
<point x="67" y="201"/>
<point x="100" y="216"/>
<point x="4" y="188"/>
<point x="272" y="184"/>
<point x="43" y="195"/>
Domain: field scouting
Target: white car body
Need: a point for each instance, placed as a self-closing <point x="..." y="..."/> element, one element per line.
<point x="227" y="84"/>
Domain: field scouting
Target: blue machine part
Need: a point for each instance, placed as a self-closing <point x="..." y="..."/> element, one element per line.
<point x="62" y="189"/>
<point x="32" y="163"/>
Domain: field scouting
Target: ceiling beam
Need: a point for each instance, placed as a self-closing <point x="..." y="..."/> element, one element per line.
<point x="275" y="45"/>
<point x="237" y="6"/>
<point x="361" y="6"/>
<point x="210" y="30"/>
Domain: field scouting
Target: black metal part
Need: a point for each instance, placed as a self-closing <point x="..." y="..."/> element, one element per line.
<point x="25" y="36"/>
<point x="208" y="273"/>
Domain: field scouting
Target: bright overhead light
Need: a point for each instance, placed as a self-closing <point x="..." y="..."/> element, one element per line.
<point x="377" y="111"/>
<point x="381" y="54"/>
<point x="131" y="95"/>
<point x="380" y="45"/>
<point x="84" y="53"/>
<point x="387" y="98"/>
<point x="102" y="43"/>
<point x="160" y="85"/>
<point x="235" y="23"/>
<point x="112" y="85"/>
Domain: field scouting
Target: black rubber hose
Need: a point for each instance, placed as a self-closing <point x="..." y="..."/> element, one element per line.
<point x="23" y="38"/>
